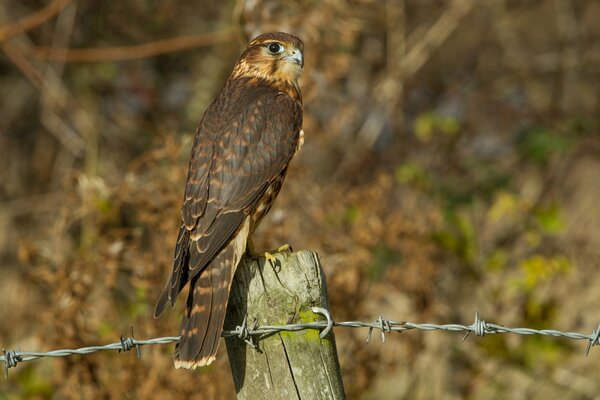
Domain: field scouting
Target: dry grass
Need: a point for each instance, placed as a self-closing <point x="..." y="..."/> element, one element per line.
<point x="450" y="165"/>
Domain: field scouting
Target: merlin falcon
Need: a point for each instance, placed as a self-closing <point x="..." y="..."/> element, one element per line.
<point x="240" y="156"/>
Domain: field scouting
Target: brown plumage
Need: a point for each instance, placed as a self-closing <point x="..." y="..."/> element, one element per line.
<point x="239" y="159"/>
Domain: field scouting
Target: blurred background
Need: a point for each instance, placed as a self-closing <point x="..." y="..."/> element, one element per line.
<point x="451" y="165"/>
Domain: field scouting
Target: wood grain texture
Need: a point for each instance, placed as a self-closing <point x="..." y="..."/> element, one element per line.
<point x="285" y="365"/>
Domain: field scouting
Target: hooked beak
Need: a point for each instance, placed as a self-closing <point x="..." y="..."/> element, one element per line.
<point x="296" y="57"/>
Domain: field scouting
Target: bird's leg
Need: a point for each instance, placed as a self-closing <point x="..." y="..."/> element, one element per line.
<point x="250" y="249"/>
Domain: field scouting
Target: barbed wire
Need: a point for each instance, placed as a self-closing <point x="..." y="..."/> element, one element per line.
<point x="255" y="332"/>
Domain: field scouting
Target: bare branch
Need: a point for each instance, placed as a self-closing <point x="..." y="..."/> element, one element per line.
<point x="34" y="20"/>
<point x="123" y="53"/>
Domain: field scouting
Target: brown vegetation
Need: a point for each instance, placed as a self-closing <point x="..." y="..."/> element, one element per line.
<point x="451" y="165"/>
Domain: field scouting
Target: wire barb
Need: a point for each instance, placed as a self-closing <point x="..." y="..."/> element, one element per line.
<point x="127" y="343"/>
<point x="480" y="327"/>
<point x="10" y="360"/>
<point x="594" y="340"/>
<point x="245" y="334"/>
<point x="385" y="326"/>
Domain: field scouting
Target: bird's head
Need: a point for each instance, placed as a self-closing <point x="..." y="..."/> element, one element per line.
<point x="274" y="57"/>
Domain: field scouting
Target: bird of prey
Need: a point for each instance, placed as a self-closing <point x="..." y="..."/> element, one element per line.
<point x="240" y="156"/>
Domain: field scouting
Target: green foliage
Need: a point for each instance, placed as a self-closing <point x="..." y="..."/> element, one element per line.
<point x="485" y="178"/>
<point x="352" y="214"/>
<point x="505" y="205"/>
<point x="539" y="144"/>
<point x="413" y="174"/>
<point x="103" y="205"/>
<point x="106" y="330"/>
<point x="429" y="124"/>
<point x="538" y="268"/>
<point x="383" y="257"/>
<point x="549" y="219"/>
<point x="531" y="351"/>
<point x="535" y="351"/>
<point x="139" y="306"/>
<point x="497" y="260"/>
<point x="32" y="383"/>
<point x="494" y="345"/>
<point x="579" y="126"/>
<point x="458" y="237"/>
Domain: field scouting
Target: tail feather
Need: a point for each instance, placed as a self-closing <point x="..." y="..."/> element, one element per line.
<point x="179" y="277"/>
<point x="202" y="324"/>
<point x="194" y="324"/>
<point x="162" y="300"/>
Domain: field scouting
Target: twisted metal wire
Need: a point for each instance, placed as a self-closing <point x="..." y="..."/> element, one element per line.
<point x="248" y="334"/>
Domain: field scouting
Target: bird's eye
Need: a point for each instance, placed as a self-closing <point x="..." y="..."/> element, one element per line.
<point x="275" y="48"/>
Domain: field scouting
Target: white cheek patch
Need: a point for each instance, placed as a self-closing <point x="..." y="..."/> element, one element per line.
<point x="289" y="68"/>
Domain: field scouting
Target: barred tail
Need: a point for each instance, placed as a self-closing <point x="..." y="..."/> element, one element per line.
<point x="202" y="323"/>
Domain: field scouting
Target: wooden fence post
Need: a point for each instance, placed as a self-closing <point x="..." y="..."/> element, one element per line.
<point x="285" y="365"/>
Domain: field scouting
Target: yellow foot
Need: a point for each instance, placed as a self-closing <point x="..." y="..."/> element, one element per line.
<point x="286" y="248"/>
<point x="268" y="255"/>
